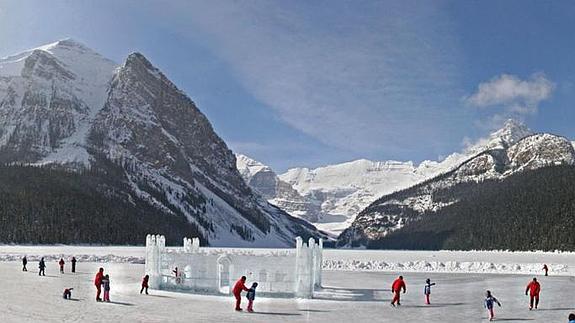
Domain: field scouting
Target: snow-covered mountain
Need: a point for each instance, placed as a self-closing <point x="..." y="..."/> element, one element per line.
<point x="64" y="104"/>
<point x="331" y="196"/>
<point x="501" y="159"/>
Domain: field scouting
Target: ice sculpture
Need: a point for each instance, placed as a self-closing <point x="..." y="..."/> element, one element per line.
<point x="204" y="270"/>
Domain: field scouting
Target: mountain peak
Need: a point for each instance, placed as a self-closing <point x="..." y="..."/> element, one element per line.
<point x="511" y="132"/>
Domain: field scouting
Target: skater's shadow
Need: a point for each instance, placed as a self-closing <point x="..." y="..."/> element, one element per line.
<point x="120" y="303"/>
<point x="74" y="299"/>
<point x="435" y="305"/>
<point x="513" y="319"/>
<point x="276" y="313"/>
<point x="159" y="296"/>
<point x="313" y="311"/>
<point x="350" y="294"/>
<point x="555" y="309"/>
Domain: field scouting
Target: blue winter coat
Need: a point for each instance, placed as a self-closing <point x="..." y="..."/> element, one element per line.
<point x="106" y="284"/>
<point x="427" y="289"/>
<point x="489" y="301"/>
<point x="251" y="295"/>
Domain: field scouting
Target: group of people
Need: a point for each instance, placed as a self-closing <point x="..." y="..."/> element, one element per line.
<point x="240" y="286"/>
<point x="42" y="265"/>
<point x="533" y="289"/>
<point x="102" y="281"/>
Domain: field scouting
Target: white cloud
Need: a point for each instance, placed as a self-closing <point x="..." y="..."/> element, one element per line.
<point x="514" y="95"/>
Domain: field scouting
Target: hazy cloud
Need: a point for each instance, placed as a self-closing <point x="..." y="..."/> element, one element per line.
<point x="370" y="79"/>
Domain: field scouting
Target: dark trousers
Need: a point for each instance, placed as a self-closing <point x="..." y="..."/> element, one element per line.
<point x="144" y="287"/>
<point x="41" y="272"/>
<point x="73" y="267"/>
<point x="238" y="300"/>
<point x="98" y="292"/>
<point x="531" y="299"/>
<point x="396" y="298"/>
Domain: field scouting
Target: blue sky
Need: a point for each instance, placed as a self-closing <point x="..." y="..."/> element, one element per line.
<point x="309" y="83"/>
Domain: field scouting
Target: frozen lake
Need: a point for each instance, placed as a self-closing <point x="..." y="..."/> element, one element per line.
<point x="348" y="296"/>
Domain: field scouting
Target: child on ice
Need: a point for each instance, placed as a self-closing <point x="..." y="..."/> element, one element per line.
<point x="251" y="295"/>
<point x="489" y="303"/>
<point x="67" y="293"/>
<point x="106" y="284"/>
<point x="427" y="290"/>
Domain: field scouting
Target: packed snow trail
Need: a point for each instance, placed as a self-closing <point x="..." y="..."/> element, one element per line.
<point x="347" y="296"/>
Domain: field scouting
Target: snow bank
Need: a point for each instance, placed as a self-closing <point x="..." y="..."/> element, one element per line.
<point x="110" y="258"/>
<point x="443" y="267"/>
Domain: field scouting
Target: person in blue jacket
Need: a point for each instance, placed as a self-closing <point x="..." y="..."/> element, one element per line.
<point x="427" y="290"/>
<point x="490" y="302"/>
<point x="251" y="295"/>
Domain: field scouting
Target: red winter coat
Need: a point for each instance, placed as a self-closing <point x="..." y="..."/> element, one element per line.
<point x="534" y="288"/>
<point x="397" y="285"/>
<point x="238" y="287"/>
<point x="61" y="263"/>
<point x="98" y="279"/>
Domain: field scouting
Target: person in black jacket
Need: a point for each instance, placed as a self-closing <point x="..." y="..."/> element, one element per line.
<point x="251" y="295"/>
<point x="73" y="264"/>
<point x="42" y="267"/>
<point x="24" y="263"/>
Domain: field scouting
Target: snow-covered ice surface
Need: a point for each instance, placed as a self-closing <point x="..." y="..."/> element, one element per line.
<point x="347" y="296"/>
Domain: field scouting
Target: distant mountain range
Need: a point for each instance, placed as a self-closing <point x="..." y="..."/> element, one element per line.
<point x="96" y="152"/>
<point x="439" y="204"/>
<point x="331" y="196"/>
<point x="130" y="138"/>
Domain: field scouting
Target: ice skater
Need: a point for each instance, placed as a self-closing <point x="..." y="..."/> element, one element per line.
<point x="24" y="263"/>
<point x="427" y="290"/>
<point x="61" y="263"/>
<point x="106" y="285"/>
<point x="251" y="296"/>
<point x="73" y="264"/>
<point x="489" y="303"/>
<point x="396" y="288"/>
<point x="145" y="281"/>
<point x="67" y="293"/>
<point x="546" y="269"/>
<point x="42" y="267"/>
<point x="237" y="291"/>
<point x="533" y="288"/>
<point x="98" y="283"/>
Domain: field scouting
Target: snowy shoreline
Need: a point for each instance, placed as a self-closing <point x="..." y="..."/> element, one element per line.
<point x="479" y="262"/>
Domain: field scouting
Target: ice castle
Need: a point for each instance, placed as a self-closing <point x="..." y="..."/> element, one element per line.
<point x="278" y="272"/>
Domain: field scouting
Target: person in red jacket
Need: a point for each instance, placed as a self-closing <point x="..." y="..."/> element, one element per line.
<point x="396" y="288"/>
<point x="61" y="263"/>
<point x="98" y="283"/>
<point x="237" y="291"/>
<point x="533" y="288"/>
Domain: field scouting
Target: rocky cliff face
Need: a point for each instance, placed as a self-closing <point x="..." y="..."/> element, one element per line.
<point x="63" y="104"/>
